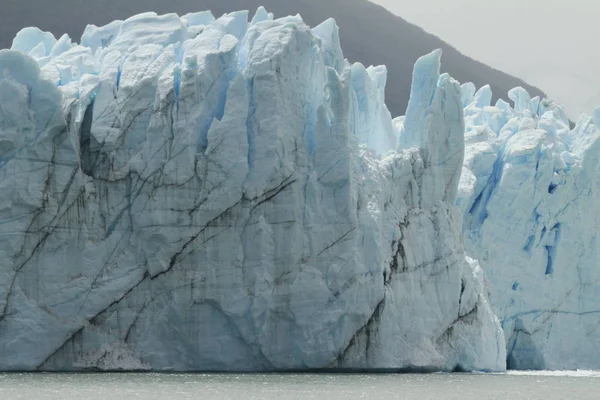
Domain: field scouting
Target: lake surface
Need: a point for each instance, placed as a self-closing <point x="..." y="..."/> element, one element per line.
<point x="512" y="386"/>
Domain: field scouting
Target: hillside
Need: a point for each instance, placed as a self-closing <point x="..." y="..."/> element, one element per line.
<point x="369" y="33"/>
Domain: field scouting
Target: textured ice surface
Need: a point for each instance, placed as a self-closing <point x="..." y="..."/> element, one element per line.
<point x="200" y="194"/>
<point x="529" y="197"/>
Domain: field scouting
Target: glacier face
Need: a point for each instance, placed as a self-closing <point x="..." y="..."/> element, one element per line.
<point x="191" y="193"/>
<point x="529" y="199"/>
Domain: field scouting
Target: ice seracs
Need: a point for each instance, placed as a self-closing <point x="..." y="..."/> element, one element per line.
<point x="192" y="193"/>
<point x="529" y="198"/>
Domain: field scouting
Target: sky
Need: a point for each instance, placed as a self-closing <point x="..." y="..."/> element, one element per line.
<point x="550" y="44"/>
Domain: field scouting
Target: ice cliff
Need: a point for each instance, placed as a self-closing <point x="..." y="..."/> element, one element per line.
<point x="185" y="193"/>
<point x="530" y="203"/>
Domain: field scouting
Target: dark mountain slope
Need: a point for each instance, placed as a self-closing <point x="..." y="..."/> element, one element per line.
<point x="369" y="33"/>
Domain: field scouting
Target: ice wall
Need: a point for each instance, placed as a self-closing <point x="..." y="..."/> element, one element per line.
<point x="185" y="193"/>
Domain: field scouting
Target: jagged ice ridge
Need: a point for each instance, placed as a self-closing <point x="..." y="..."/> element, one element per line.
<point x="530" y="204"/>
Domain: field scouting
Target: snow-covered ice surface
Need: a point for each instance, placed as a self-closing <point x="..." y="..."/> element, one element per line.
<point x="529" y="198"/>
<point x="200" y="194"/>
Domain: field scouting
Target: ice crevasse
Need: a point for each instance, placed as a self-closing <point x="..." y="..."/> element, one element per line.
<point x="191" y="193"/>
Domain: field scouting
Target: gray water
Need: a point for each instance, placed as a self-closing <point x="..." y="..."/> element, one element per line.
<point x="513" y="386"/>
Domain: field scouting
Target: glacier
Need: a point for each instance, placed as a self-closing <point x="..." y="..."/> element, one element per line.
<point x="529" y="199"/>
<point x="199" y="194"/>
<point x="191" y="193"/>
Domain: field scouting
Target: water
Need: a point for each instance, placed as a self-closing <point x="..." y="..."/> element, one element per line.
<point x="512" y="386"/>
